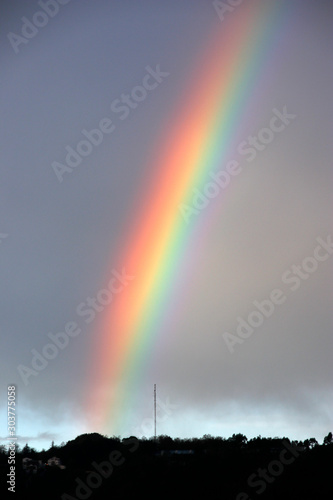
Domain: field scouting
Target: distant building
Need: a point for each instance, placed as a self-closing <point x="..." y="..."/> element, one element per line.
<point x="55" y="462"/>
<point x="169" y="453"/>
<point x="31" y="466"/>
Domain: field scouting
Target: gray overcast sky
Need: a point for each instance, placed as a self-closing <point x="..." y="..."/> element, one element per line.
<point x="58" y="239"/>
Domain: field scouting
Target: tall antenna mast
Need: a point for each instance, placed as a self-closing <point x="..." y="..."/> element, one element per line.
<point x="155" y="411"/>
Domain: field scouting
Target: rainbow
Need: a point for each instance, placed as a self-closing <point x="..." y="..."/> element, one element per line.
<point x="232" y="71"/>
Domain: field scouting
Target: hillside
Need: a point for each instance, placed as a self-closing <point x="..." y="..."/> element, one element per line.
<point x="98" y="467"/>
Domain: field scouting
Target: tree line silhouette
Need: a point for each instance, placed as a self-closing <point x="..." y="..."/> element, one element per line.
<point x="236" y="468"/>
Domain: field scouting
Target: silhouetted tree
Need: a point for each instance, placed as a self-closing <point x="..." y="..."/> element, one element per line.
<point x="310" y="443"/>
<point x="26" y="450"/>
<point x="328" y="439"/>
<point x="239" y="439"/>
